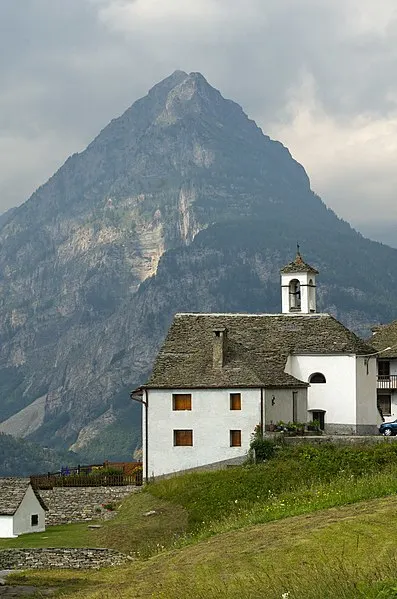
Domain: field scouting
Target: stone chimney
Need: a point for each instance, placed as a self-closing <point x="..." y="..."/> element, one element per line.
<point x="219" y="347"/>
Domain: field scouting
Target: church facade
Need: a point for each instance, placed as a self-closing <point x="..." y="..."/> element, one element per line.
<point x="219" y="376"/>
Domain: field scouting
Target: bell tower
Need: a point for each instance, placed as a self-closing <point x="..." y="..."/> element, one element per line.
<point x="298" y="287"/>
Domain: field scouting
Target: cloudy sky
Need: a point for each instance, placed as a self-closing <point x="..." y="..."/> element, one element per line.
<point x="319" y="75"/>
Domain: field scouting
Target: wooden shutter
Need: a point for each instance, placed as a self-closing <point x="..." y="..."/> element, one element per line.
<point x="183" y="438"/>
<point x="235" y="438"/>
<point x="235" y="401"/>
<point x="181" y="401"/>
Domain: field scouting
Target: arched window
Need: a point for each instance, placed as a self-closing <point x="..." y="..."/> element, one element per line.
<point x="294" y="295"/>
<point x="311" y="290"/>
<point x="317" y="377"/>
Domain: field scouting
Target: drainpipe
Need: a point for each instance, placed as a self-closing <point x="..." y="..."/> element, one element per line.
<point x="146" y="404"/>
<point x="143" y="399"/>
<point x="262" y="406"/>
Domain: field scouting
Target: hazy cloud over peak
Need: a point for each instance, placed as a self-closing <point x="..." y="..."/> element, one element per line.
<point x="318" y="76"/>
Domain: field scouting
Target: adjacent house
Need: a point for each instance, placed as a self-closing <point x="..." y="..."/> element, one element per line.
<point x="218" y="376"/>
<point x="384" y="340"/>
<point x="22" y="509"/>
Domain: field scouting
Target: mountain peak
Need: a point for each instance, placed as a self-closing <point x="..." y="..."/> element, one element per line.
<point x="168" y="83"/>
<point x="190" y="94"/>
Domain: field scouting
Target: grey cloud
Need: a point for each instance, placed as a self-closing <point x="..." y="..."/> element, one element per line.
<point x="67" y="68"/>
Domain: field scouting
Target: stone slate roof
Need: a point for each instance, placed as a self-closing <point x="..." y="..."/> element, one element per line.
<point x="385" y="336"/>
<point x="12" y="491"/>
<point x="298" y="265"/>
<point x="258" y="346"/>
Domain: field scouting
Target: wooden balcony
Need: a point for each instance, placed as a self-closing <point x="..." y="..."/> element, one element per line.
<point x="387" y="381"/>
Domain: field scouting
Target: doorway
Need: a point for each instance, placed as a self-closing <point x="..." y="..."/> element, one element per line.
<point x="319" y="415"/>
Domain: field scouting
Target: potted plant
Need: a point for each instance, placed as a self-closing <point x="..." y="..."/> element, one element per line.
<point x="314" y="426"/>
<point x="291" y="428"/>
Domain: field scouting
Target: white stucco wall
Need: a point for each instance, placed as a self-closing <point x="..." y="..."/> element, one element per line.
<point x="393" y="366"/>
<point x="308" y="294"/>
<point x="22" y="517"/>
<point x="6" y="527"/>
<point x="338" y="395"/>
<point x="366" y="379"/>
<point x="393" y="408"/>
<point x="279" y="405"/>
<point x="211" y="421"/>
<point x="393" y="416"/>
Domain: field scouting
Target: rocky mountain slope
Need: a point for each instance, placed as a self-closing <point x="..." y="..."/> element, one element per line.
<point x="182" y="203"/>
<point x="19" y="457"/>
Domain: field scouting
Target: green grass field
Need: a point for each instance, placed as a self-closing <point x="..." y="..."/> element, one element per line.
<point x="130" y="531"/>
<point x="307" y="524"/>
<point x="335" y="553"/>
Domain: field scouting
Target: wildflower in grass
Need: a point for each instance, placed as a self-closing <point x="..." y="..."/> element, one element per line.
<point x="285" y="595"/>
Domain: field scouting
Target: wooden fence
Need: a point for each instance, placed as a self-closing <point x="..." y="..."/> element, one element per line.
<point x="94" y="475"/>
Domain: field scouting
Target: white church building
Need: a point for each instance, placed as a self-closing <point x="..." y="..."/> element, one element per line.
<point x="218" y="376"/>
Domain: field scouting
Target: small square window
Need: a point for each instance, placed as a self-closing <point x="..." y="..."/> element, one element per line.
<point x="235" y="438"/>
<point x="34" y="520"/>
<point x="181" y="401"/>
<point x="183" y="438"/>
<point x="235" y="401"/>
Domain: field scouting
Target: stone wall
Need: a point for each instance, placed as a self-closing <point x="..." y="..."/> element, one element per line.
<point x="46" y="559"/>
<point x="82" y="504"/>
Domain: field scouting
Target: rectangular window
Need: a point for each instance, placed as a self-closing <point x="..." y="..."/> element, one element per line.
<point x="384" y="369"/>
<point x="235" y="438"/>
<point x="235" y="401"/>
<point x="183" y="438"/>
<point x="384" y="404"/>
<point x="34" y="520"/>
<point x="181" y="401"/>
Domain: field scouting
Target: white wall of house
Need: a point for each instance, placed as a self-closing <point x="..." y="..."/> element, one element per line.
<point x="6" y="527"/>
<point x="368" y="417"/>
<point x="393" y="408"/>
<point x="337" y="396"/>
<point x="29" y="506"/>
<point x="211" y="421"/>
<point x="393" y="366"/>
<point x="279" y="405"/>
<point x="393" y="415"/>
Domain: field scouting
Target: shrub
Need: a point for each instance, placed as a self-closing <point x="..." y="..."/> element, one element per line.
<point x="261" y="449"/>
<point x="110" y="471"/>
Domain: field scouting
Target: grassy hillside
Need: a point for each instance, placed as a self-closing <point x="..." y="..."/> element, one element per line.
<point x="255" y="532"/>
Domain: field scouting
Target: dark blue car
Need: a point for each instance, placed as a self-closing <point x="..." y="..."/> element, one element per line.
<point x="388" y="428"/>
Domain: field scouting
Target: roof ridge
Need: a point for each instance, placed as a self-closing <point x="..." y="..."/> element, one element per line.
<point x="257" y="314"/>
